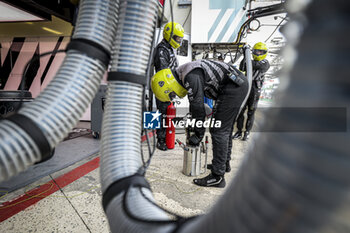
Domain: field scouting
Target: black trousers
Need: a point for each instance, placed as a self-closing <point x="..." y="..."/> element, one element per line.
<point x="250" y="107"/>
<point x="162" y="107"/>
<point x="226" y="109"/>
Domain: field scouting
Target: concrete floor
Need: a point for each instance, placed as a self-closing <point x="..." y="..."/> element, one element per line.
<point x="76" y="205"/>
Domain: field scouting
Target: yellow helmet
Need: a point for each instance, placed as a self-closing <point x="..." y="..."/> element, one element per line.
<point x="177" y="36"/>
<point x="259" y="51"/>
<point x="165" y="87"/>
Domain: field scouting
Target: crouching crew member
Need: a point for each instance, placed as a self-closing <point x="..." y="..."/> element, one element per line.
<point x="215" y="80"/>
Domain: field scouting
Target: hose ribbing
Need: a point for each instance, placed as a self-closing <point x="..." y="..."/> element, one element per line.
<point x="56" y="111"/>
<point x="58" y="108"/>
<point x="97" y="22"/>
<point x="134" y="36"/>
<point x="122" y="122"/>
<point x="17" y="150"/>
<point x="121" y="144"/>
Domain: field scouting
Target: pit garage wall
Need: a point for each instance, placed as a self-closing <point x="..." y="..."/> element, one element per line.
<point x="216" y="21"/>
<point x="17" y="51"/>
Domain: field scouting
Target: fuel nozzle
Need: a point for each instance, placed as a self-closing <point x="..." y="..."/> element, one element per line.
<point x="203" y="148"/>
<point x="182" y="145"/>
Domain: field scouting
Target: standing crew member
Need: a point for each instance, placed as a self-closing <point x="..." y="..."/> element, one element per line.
<point x="260" y="67"/>
<point x="215" y="80"/>
<point x="165" y="57"/>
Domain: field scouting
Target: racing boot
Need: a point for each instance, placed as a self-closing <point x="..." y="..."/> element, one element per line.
<point x="237" y="135"/>
<point x="246" y="136"/>
<point x="212" y="180"/>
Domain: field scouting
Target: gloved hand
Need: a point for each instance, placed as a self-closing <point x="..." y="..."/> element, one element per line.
<point x="194" y="140"/>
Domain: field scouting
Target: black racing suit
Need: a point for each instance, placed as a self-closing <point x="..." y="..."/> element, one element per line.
<point x="259" y="70"/>
<point x="164" y="57"/>
<point x="229" y="98"/>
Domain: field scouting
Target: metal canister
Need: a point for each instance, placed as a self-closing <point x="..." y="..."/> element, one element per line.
<point x="192" y="161"/>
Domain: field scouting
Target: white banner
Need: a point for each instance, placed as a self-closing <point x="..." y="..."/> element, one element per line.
<point x="216" y="21"/>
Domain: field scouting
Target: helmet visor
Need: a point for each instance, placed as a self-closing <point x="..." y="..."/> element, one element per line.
<point x="178" y="39"/>
<point x="259" y="52"/>
<point x="172" y="95"/>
